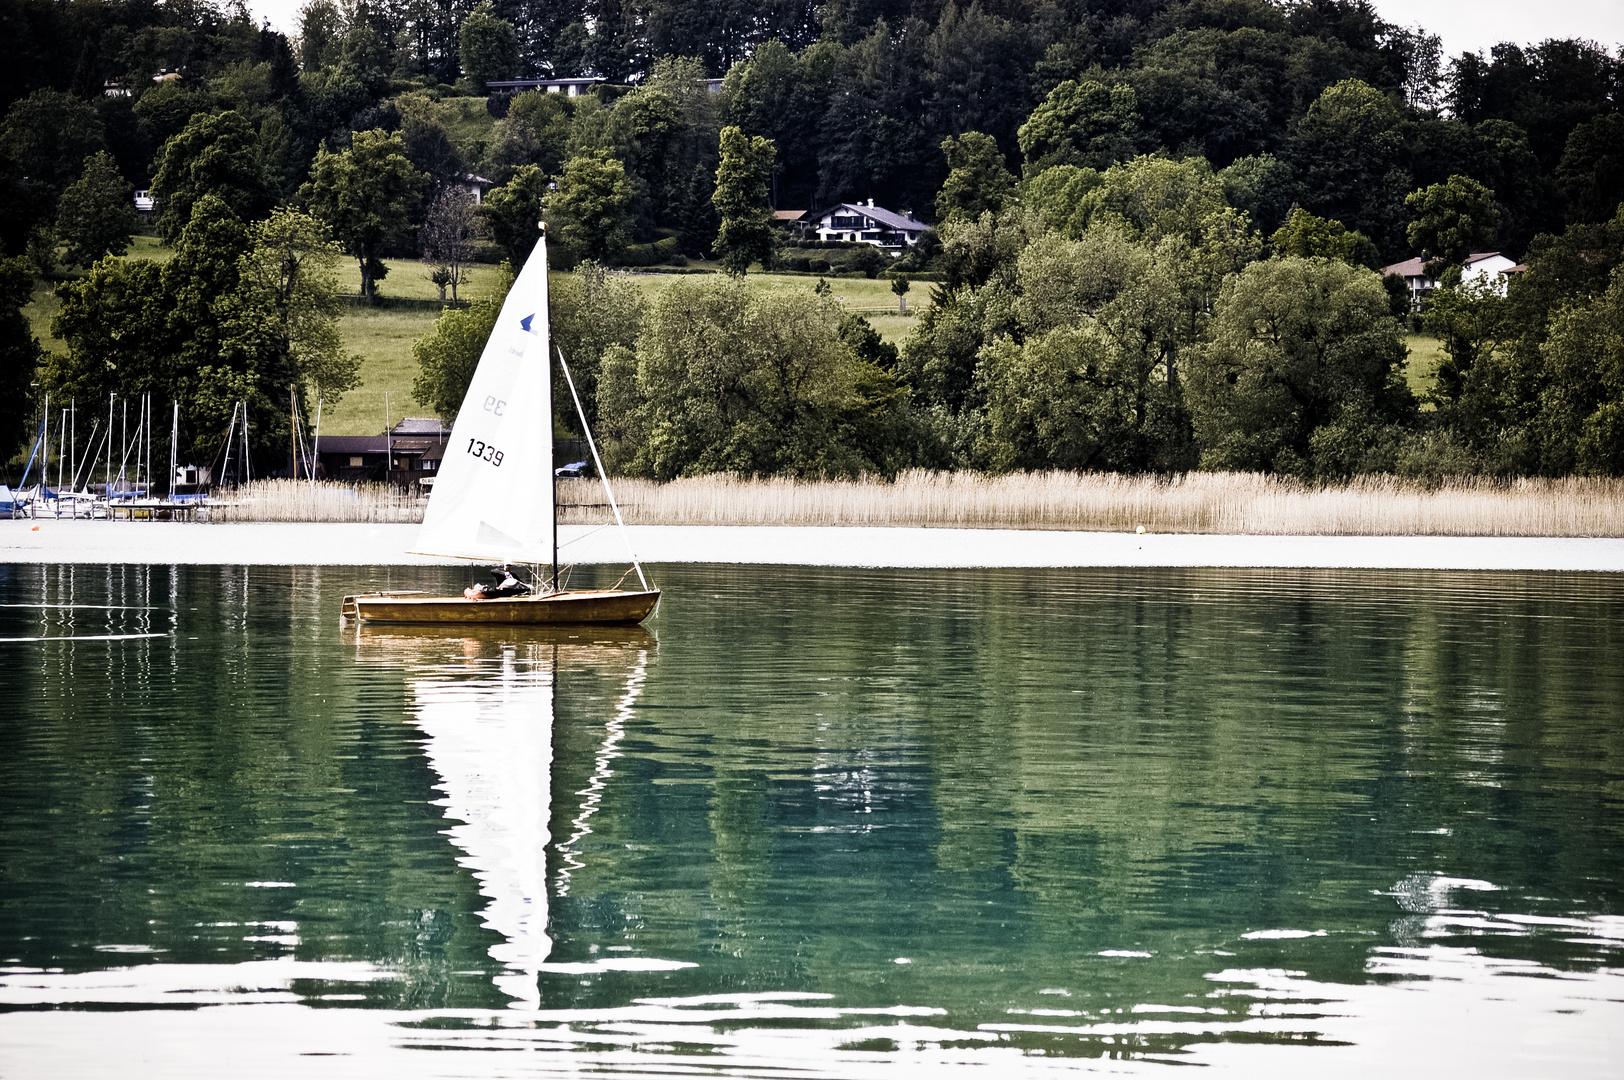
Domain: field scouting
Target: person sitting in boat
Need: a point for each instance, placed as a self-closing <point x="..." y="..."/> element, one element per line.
<point x="505" y="585"/>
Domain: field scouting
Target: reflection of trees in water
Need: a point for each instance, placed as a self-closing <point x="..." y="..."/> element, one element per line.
<point x="1014" y="771"/>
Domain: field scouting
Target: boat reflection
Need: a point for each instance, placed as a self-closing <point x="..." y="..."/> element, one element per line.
<point x="483" y="699"/>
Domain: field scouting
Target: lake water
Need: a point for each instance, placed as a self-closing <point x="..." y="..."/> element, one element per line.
<point x="815" y="823"/>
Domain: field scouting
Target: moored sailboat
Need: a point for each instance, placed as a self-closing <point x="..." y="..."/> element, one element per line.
<point x="494" y="496"/>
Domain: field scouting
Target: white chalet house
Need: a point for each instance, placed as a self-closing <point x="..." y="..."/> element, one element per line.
<point x="866" y="223"/>
<point x="1488" y="266"/>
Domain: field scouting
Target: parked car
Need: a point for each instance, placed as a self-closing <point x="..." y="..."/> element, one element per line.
<point x="573" y="470"/>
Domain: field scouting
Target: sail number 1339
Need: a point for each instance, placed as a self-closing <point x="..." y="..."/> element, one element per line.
<point x="485" y="452"/>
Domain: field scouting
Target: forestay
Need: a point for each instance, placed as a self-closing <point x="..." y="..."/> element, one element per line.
<point x="493" y="495"/>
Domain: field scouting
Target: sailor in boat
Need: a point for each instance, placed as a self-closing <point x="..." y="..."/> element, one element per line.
<point x="505" y="585"/>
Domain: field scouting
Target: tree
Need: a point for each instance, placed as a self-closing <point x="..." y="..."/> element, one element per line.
<point x="1452" y="219"/>
<point x="899" y="285"/>
<point x="448" y="238"/>
<point x="511" y="212"/>
<point x="364" y="194"/>
<point x="215" y="154"/>
<point x="94" y="217"/>
<point x="447" y="359"/>
<point x="320" y="24"/>
<point x="1306" y="236"/>
<point x="1470" y="320"/>
<point x="488" y="47"/>
<point x="20" y="352"/>
<point x="285" y="310"/>
<point x="50" y="134"/>
<point x="746" y="234"/>
<point x="114" y="323"/>
<point x="1348" y="156"/>
<point x="977" y="179"/>
<point x="1582" y="405"/>
<point x="1304" y="362"/>
<point x="1081" y="123"/>
<point x="730" y="379"/>
<point x="593" y="311"/>
<point x="590" y="212"/>
<point x="43" y="144"/>
<point x="1592" y="168"/>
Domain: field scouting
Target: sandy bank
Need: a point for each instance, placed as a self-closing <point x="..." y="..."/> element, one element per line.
<point x="373" y="545"/>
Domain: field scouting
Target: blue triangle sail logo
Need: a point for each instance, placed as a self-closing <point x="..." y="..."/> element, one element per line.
<point x="524" y="323"/>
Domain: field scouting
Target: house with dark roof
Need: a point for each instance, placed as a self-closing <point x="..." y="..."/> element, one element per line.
<point x="1489" y="266"/>
<point x="567" y="87"/>
<point x="865" y="223"/>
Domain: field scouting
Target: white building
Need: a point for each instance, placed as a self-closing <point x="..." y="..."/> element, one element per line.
<point x="567" y="87"/>
<point x="866" y="223"/>
<point x="1488" y="266"/>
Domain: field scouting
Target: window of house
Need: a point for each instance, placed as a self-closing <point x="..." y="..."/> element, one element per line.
<point x="357" y="462"/>
<point x="848" y="221"/>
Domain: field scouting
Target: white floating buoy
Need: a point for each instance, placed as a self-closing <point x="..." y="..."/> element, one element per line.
<point x="1140" y="530"/>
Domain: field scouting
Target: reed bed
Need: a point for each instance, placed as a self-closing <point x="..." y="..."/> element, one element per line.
<point x="324" y="500"/>
<point x="1219" y="503"/>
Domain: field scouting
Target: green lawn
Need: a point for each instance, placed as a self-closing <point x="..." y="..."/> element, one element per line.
<point x="384" y="341"/>
<point x="1421" y="370"/>
<point x="409" y="278"/>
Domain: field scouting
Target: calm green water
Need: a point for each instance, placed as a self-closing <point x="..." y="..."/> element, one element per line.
<point x="815" y="822"/>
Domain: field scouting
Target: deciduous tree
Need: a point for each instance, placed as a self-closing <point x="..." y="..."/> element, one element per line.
<point x="977" y="179"/>
<point x="214" y="155"/>
<point x="94" y="217"/>
<point x="746" y="234"/>
<point x="1452" y="219"/>
<point x="590" y="212"/>
<point x="488" y="47"/>
<point x="364" y="194"/>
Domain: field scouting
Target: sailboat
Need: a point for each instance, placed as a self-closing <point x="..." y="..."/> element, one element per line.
<point x="493" y="498"/>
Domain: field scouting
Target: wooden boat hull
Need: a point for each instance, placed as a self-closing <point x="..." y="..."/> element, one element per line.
<point x="610" y="606"/>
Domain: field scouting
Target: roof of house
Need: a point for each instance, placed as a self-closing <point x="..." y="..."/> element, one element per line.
<point x="1417" y="267"/>
<point x="1407" y="268"/>
<point x="788" y="215"/>
<point x="889" y="218"/>
<point x="421" y="425"/>
<point x="519" y="84"/>
<point x="350" y="444"/>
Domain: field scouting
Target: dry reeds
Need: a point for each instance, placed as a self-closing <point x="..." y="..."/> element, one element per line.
<point x="1222" y="503"/>
<point x="324" y="500"/>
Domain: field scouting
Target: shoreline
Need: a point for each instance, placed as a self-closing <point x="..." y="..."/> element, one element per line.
<point x="345" y="544"/>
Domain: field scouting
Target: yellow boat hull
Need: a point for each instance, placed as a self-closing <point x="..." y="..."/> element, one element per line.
<point x="610" y="606"/>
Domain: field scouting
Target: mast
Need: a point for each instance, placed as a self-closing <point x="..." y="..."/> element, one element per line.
<point x="547" y="362"/>
<point x="174" y="451"/>
<point x="107" y="490"/>
<point x="293" y="429"/>
<point x="45" y="448"/>
<point x="315" y="445"/>
<point x="247" y="466"/>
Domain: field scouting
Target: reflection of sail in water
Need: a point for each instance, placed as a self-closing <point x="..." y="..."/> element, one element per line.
<point x="489" y="728"/>
<point x="592" y="794"/>
<point x="485" y="707"/>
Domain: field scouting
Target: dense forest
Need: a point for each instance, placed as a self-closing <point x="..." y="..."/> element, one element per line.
<point x="1158" y="224"/>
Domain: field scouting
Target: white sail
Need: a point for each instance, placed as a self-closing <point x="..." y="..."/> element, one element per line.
<point x="493" y="495"/>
